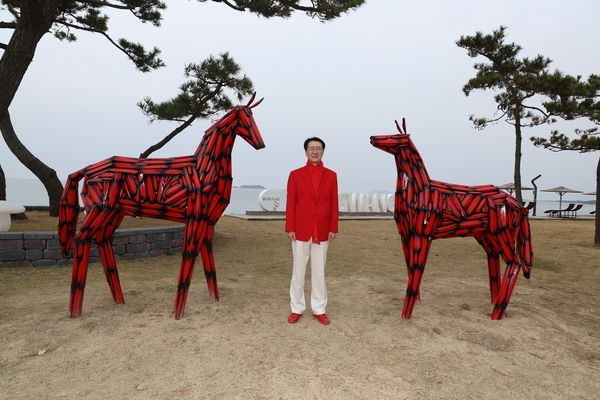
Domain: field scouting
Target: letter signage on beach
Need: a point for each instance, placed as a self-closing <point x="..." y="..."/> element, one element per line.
<point x="366" y="202"/>
<point x="269" y="200"/>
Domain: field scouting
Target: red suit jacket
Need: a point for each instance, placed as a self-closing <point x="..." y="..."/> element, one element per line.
<point x="304" y="208"/>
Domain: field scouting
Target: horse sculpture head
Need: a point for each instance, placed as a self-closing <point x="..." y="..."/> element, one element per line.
<point x="392" y="143"/>
<point x="240" y="121"/>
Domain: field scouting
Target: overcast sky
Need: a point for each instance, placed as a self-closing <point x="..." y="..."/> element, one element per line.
<point x="344" y="81"/>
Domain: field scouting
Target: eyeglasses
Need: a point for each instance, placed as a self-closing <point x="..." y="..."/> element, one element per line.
<point x="318" y="149"/>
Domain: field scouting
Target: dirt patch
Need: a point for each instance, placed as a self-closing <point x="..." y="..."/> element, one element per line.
<point x="241" y="347"/>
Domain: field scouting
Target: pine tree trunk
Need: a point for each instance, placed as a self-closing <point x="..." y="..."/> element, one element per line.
<point x="2" y="184"/>
<point x="45" y="174"/>
<point x="168" y="138"/>
<point x="36" y="18"/>
<point x="518" y="144"/>
<point x="597" y="218"/>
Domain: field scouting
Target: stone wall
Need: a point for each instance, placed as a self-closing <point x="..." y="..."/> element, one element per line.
<point x="43" y="249"/>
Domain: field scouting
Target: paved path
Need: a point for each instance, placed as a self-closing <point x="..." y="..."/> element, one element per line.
<point x="275" y="215"/>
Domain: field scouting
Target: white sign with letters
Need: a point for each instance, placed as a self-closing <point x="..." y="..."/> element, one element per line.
<point x="366" y="202"/>
<point x="269" y="200"/>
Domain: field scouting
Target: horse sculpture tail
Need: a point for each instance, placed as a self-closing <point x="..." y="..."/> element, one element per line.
<point x="524" y="243"/>
<point x="68" y="212"/>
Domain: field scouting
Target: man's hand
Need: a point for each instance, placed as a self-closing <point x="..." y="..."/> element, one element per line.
<point x="331" y="236"/>
<point x="291" y="236"/>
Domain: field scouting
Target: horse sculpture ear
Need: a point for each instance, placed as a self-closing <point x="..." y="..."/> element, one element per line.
<point x="257" y="103"/>
<point x="400" y="128"/>
<point x="403" y="128"/>
<point x="251" y="99"/>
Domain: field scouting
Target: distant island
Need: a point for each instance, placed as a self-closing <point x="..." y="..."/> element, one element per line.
<point x="250" y="187"/>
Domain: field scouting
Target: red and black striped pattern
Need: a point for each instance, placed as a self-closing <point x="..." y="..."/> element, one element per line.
<point x="194" y="190"/>
<point x="426" y="209"/>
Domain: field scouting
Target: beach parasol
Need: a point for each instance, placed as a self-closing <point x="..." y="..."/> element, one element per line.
<point x="510" y="187"/>
<point x="561" y="190"/>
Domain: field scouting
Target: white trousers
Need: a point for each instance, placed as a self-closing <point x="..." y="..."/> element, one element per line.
<point x="301" y="251"/>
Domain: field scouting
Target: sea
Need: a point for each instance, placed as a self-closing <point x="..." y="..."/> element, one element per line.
<point x="31" y="192"/>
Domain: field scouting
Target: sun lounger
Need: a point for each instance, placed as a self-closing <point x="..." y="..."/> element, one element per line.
<point x="560" y="213"/>
<point x="573" y="212"/>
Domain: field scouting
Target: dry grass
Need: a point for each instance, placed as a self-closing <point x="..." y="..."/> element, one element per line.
<point x="548" y="345"/>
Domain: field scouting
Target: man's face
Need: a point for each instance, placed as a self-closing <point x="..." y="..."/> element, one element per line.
<point x="314" y="152"/>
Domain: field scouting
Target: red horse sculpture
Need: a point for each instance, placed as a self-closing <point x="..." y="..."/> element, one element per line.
<point x="426" y="210"/>
<point x="194" y="190"/>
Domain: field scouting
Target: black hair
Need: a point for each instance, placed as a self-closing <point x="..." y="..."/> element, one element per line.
<point x="313" y="139"/>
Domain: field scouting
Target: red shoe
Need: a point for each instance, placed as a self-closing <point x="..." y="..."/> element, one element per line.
<point x="322" y="318"/>
<point x="293" y="318"/>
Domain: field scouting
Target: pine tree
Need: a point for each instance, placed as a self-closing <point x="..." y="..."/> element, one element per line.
<point x="32" y="19"/>
<point x="527" y="94"/>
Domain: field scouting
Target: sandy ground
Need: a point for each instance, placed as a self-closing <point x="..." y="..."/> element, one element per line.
<point x="241" y="347"/>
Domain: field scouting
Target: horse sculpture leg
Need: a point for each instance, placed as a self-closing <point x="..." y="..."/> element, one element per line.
<point x="524" y="244"/>
<point x="197" y="238"/>
<point x="81" y="257"/>
<point x="407" y="251"/>
<point x="506" y="289"/>
<point x="107" y="255"/>
<point x="189" y="253"/>
<point x="416" y="260"/>
<point x="493" y="258"/>
<point x="510" y="275"/>
<point x="208" y="261"/>
<point x="494" y="275"/>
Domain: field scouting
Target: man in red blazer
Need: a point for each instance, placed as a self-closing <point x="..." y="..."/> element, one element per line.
<point x="311" y="222"/>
